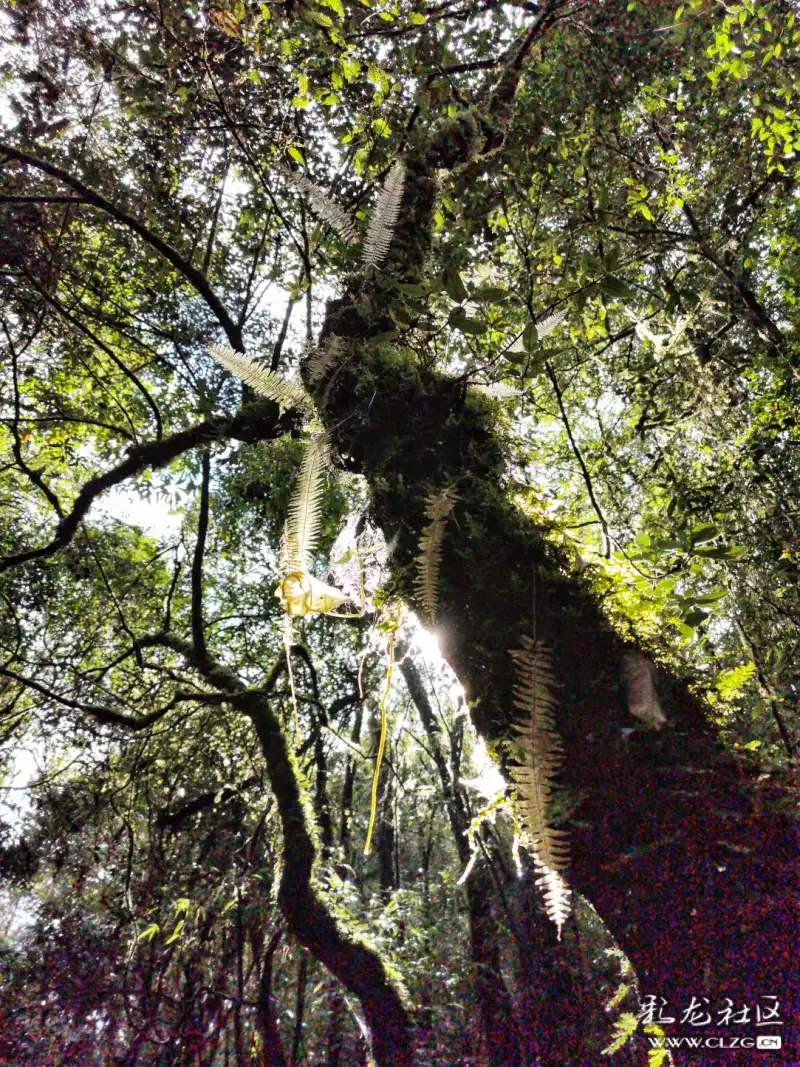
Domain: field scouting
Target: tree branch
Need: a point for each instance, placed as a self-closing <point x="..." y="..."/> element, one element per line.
<point x="198" y="630"/>
<point x="110" y="716"/>
<point x="255" y="422"/>
<point x="129" y="374"/>
<point x="194" y="276"/>
<point x="551" y="374"/>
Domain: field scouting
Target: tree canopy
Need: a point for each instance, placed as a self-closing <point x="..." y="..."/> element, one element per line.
<point x="527" y="273"/>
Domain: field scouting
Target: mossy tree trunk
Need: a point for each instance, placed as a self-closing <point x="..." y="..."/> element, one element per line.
<point x="692" y="874"/>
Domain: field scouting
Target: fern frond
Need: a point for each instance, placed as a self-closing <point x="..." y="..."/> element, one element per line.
<point x="437" y="507"/>
<point x="323" y="206"/>
<point x="325" y="358"/>
<point x="384" y="218"/>
<point x="428" y="563"/>
<point x="539" y="761"/>
<point x="302" y="524"/>
<point x="643" y="702"/>
<point x="624" y="1029"/>
<point x="496" y="390"/>
<point x="549" y="324"/>
<point x="286" y="394"/>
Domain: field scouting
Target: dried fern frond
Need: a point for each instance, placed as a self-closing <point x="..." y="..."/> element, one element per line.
<point x="438" y="506"/>
<point x="302" y="524"/>
<point x="496" y="390"/>
<point x="539" y="761"/>
<point x="325" y="358"/>
<point x="643" y="703"/>
<point x="286" y="394"/>
<point x="549" y="324"/>
<point x="384" y="218"/>
<point x="323" y="206"/>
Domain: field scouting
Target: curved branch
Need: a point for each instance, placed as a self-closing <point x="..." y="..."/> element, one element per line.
<point x="129" y="374"/>
<point x="195" y="277"/>
<point x="256" y="422"/>
<point x="110" y="716"/>
<point x="551" y="374"/>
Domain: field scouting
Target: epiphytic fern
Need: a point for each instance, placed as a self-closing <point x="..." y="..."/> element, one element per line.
<point x="286" y="394"/>
<point x="536" y="332"/>
<point x="437" y="507"/>
<point x="302" y="524"/>
<point x="384" y="218"/>
<point x="325" y="358"/>
<point x="546" y="326"/>
<point x="299" y="592"/>
<point x="496" y="390"/>
<point x="329" y="212"/>
<point x="539" y="759"/>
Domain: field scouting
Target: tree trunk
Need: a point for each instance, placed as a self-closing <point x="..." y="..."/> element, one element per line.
<point x="272" y="1054"/>
<point x="692" y="873"/>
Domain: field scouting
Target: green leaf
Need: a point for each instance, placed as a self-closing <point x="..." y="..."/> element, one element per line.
<point x="624" y="1028"/>
<point x="380" y="338"/>
<point x="712" y="596"/>
<point x="407" y="289"/>
<point x="730" y="682"/>
<point x="149" y="932"/>
<point x="613" y="286"/>
<point x="705" y="531"/>
<point x="490" y="294"/>
<point x="296" y="154"/>
<point x="530" y="338"/>
<point x="666" y="544"/>
<point x="417" y="18"/>
<point x="350" y="68"/>
<point x="473" y="326"/>
<point x="334" y="5"/>
<point x="176" y="933"/>
<point x="402" y="316"/>
<point x="454" y="286"/>
<point x="732" y="552"/>
<point x="534" y="369"/>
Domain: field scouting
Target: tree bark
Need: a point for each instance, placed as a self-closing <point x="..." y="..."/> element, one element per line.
<point x="691" y="871"/>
